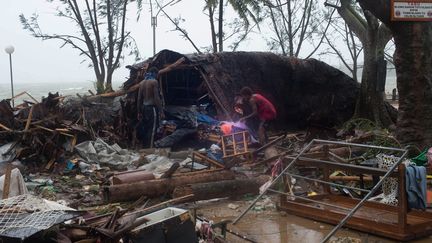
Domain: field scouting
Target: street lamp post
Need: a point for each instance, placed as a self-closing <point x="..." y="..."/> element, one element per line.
<point x="154" y="19"/>
<point x="9" y="50"/>
<point x="154" y="24"/>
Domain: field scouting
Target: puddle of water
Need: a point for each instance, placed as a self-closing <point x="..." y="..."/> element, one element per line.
<point x="273" y="226"/>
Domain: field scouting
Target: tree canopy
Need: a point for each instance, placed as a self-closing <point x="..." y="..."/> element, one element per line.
<point x="100" y="35"/>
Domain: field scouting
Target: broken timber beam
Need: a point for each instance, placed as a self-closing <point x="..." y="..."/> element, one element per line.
<point x="219" y="189"/>
<point x="276" y="140"/>
<point x="5" y="128"/>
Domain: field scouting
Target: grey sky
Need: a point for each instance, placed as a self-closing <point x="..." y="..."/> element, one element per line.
<point x="38" y="61"/>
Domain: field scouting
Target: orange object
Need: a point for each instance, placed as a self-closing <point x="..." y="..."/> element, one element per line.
<point x="429" y="196"/>
<point x="226" y="128"/>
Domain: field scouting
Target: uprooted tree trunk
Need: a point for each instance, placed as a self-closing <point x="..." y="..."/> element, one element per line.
<point x="374" y="37"/>
<point x="413" y="61"/>
<point x="153" y="188"/>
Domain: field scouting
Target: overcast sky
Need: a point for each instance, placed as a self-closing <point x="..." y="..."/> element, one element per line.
<point x="38" y="61"/>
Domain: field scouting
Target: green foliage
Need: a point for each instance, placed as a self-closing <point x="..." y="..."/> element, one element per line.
<point x="381" y="137"/>
<point x="361" y="124"/>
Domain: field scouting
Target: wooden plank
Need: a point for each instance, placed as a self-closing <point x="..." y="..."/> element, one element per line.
<point x="276" y="140"/>
<point x="23" y="93"/>
<point x="7" y="180"/>
<point x="5" y="128"/>
<point x="208" y="160"/>
<point x="326" y="176"/>
<point x="29" y="118"/>
<point x="234" y="143"/>
<point x="361" y="224"/>
<point x="350" y="178"/>
<point x="223" y="147"/>
<point x="402" y="200"/>
<point x="375" y="218"/>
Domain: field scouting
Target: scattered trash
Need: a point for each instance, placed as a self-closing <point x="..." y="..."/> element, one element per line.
<point x="99" y="152"/>
<point x="16" y="184"/>
<point x="233" y="206"/>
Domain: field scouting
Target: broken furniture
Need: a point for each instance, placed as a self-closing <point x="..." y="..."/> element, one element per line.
<point x="394" y="222"/>
<point x="171" y="225"/>
<point x="235" y="146"/>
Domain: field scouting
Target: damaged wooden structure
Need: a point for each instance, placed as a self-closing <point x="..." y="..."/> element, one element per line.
<point x="397" y="222"/>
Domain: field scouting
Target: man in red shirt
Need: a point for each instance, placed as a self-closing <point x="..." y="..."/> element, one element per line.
<point x="261" y="108"/>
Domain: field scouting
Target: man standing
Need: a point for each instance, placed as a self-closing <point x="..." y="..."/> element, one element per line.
<point x="149" y="106"/>
<point x="262" y="108"/>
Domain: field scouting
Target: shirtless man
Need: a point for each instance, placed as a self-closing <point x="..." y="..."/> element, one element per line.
<point x="262" y="109"/>
<point x="149" y="106"/>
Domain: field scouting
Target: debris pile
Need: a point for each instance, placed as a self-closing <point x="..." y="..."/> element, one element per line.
<point x="44" y="133"/>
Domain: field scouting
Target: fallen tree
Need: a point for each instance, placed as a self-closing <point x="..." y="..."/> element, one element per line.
<point x="304" y="91"/>
<point x="158" y="187"/>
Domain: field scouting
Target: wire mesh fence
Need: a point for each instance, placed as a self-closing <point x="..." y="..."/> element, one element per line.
<point x="25" y="215"/>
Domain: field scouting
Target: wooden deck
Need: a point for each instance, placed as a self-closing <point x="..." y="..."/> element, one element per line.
<point x="374" y="218"/>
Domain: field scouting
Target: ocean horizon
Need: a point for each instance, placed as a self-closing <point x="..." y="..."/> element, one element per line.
<point x="39" y="90"/>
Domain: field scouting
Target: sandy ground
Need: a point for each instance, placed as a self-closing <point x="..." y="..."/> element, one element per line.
<point x="270" y="225"/>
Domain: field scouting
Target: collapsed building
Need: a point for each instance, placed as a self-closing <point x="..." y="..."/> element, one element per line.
<point x="304" y="92"/>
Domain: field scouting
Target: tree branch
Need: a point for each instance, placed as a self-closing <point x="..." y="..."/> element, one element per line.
<point x="180" y="29"/>
<point x="356" y="23"/>
<point x="123" y="36"/>
<point x="379" y="8"/>
<point x="323" y="36"/>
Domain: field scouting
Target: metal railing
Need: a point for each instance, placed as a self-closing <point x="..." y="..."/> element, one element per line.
<point x="320" y="162"/>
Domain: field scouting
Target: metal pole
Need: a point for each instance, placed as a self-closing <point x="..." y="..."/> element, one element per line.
<point x="154" y="34"/>
<point x="273" y="182"/>
<point x="152" y="22"/>
<point x="359" y="145"/>
<point x="12" y="86"/>
<point x="374" y="189"/>
<point x="325" y="182"/>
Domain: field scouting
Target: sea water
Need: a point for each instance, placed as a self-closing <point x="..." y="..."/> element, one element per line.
<point x="39" y="90"/>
